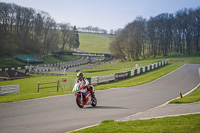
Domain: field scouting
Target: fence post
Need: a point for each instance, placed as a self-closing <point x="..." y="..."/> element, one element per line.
<point x="58" y="85"/>
<point x="38" y="86"/>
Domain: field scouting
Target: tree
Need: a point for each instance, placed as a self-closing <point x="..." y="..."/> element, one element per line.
<point x="76" y="38"/>
<point x="65" y="35"/>
<point x="164" y="33"/>
<point x="26" y="30"/>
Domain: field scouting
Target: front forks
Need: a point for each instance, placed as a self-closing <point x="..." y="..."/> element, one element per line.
<point x="81" y="98"/>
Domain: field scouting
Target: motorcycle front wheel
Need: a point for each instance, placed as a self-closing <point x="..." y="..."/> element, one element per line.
<point x="79" y="102"/>
<point x="94" y="102"/>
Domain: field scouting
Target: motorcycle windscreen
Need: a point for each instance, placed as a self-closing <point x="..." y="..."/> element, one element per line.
<point x="76" y="87"/>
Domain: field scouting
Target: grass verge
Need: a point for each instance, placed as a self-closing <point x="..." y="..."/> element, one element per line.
<point x="179" y="124"/>
<point x="190" y="98"/>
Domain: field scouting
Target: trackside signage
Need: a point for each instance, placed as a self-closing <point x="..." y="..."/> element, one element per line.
<point x="10" y="89"/>
<point x="89" y="54"/>
<point x="81" y="54"/>
<point x="121" y="75"/>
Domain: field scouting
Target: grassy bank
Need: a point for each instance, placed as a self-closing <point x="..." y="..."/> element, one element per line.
<point x="11" y="62"/>
<point x="179" y="124"/>
<point x="190" y="98"/>
<point x="94" y="43"/>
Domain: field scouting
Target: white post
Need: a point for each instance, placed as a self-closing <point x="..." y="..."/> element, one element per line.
<point x="64" y="70"/>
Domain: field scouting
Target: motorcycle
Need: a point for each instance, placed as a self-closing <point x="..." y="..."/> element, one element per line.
<point x="83" y="96"/>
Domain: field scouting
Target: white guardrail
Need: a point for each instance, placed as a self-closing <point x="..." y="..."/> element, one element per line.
<point x="9" y="89"/>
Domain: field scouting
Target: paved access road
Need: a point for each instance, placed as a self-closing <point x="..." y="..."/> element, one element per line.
<point x="60" y="114"/>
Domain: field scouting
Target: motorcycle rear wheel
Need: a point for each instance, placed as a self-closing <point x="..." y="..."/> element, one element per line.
<point x="79" y="102"/>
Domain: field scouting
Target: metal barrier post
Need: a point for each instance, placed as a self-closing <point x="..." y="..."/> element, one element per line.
<point x="38" y="86"/>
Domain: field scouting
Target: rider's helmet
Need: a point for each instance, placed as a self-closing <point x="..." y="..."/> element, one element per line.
<point x="79" y="75"/>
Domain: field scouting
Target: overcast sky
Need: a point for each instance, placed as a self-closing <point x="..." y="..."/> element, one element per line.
<point x="105" y="14"/>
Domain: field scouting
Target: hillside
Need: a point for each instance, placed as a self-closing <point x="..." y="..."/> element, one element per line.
<point x="89" y="42"/>
<point x="94" y="43"/>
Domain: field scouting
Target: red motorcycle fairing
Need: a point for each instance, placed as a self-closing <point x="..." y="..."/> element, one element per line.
<point x="83" y="96"/>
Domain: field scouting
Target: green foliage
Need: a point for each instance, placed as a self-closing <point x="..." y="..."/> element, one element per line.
<point x="159" y="35"/>
<point x="179" y="124"/>
<point x="76" y="38"/>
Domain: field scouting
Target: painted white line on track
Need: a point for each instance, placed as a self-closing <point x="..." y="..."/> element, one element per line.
<point x="83" y="128"/>
<point x="166" y="116"/>
<point x="183" y="94"/>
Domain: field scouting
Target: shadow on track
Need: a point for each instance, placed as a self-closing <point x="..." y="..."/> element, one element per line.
<point x="104" y="107"/>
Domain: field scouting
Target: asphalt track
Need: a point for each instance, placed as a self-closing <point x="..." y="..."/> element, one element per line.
<point x="61" y="114"/>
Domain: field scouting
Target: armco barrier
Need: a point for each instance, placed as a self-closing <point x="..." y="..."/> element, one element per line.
<point x="132" y="73"/>
<point x="119" y="76"/>
<point x="48" y="65"/>
<point x="102" y="79"/>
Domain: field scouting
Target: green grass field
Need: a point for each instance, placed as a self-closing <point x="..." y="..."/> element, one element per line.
<point x="94" y="43"/>
<point x="179" y="124"/>
<point x="28" y="87"/>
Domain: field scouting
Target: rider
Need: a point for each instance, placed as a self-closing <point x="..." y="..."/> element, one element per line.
<point x="85" y="83"/>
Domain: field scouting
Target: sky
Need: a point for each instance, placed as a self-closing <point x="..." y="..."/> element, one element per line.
<point x="105" y="14"/>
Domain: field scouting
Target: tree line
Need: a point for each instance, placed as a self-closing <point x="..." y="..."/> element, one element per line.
<point x="160" y="35"/>
<point x="25" y="30"/>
